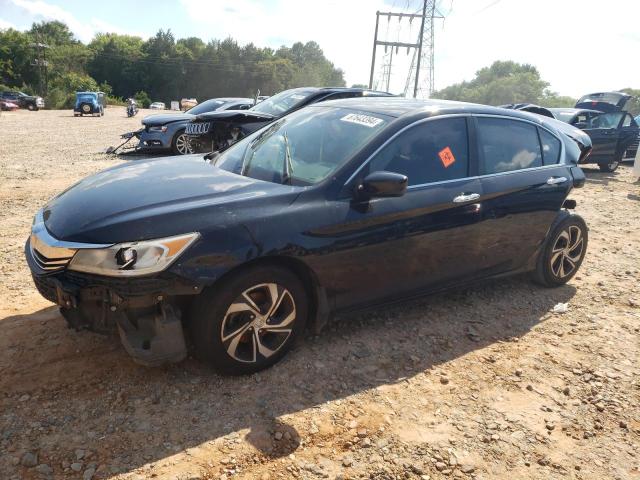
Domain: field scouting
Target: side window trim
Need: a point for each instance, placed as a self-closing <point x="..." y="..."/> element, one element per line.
<point x="471" y="151"/>
<point x="561" y="159"/>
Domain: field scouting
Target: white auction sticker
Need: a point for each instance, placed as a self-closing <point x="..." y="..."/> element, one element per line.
<point x="366" y="120"/>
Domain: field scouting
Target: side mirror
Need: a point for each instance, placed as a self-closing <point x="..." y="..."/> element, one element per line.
<point x="383" y="184"/>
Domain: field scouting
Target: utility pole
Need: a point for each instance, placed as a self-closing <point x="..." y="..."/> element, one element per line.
<point x="41" y="62"/>
<point x="423" y="48"/>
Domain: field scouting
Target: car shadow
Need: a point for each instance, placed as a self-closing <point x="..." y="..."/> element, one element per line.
<point x="90" y="395"/>
<point x="597" y="177"/>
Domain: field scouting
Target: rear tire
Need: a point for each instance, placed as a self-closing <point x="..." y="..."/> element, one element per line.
<point x="249" y="321"/>
<point x="563" y="252"/>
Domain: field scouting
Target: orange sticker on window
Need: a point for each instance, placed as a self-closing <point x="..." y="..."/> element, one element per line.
<point x="446" y="156"/>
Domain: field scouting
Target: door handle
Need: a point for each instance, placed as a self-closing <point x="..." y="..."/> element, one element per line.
<point x="556" y="180"/>
<point x="466" y="197"/>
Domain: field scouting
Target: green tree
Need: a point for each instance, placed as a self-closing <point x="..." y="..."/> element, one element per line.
<point x="503" y="82"/>
<point x="163" y="66"/>
<point x="143" y="99"/>
<point x="115" y="59"/>
<point x="633" y="105"/>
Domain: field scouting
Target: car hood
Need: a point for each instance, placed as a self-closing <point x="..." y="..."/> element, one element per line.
<point x="604" y="101"/>
<point x="236" y="116"/>
<point x="154" y="199"/>
<point x="164" y="118"/>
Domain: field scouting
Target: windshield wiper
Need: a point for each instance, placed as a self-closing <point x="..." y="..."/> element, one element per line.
<point x="287" y="174"/>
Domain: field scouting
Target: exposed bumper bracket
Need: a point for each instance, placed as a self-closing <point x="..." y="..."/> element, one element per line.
<point x="157" y="338"/>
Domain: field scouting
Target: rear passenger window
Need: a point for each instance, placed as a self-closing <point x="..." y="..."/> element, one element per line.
<point x="550" y="147"/>
<point x="432" y="151"/>
<point x="507" y="145"/>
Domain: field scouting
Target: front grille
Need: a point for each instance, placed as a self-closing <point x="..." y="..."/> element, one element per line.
<point x="199" y="128"/>
<point x="47" y="258"/>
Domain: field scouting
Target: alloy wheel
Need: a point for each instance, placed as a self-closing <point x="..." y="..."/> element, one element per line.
<point x="182" y="144"/>
<point x="258" y="323"/>
<point x="567" y="252"/>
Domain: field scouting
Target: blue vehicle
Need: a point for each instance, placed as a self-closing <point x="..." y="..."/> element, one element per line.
<point x="339" y="205"/>
<point x="89" y="103"/>
<point x="165" y="131"/>
<point x="613" y="130"/>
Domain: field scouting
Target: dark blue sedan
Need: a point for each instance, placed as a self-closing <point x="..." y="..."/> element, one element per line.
<point x="337" y="206"/>
<point x="613" y="131"/>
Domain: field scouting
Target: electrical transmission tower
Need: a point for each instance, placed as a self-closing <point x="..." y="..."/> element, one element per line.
<point x="421" y="72"/>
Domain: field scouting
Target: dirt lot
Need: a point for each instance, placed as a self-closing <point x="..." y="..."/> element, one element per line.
<point x="486" y="382"/>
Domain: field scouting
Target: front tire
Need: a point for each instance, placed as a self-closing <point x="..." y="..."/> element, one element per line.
<point x="180" y="144"/>
<point x="562" y="253"/>
<point x="249" y="321"/>
<point x="611" y="166"/>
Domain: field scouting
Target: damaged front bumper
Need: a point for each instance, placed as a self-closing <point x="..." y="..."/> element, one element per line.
<point x="145" y="312"/>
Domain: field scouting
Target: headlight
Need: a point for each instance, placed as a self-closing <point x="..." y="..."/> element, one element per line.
<point x="132" y="259"/>
<point x="162" y="129"/>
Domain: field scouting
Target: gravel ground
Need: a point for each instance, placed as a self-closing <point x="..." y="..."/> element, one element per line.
<point x="484" y="382"/>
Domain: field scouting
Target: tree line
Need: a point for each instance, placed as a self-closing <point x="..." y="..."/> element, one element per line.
<point x="509" y="82"/>
<point x="161" y="68"/>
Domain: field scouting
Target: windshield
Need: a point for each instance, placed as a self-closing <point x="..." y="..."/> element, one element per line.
<point x="283" y="102"/>
<point x="303" y="148"/>
<point x="86" y="97"/>
<point x="204" y="107"/>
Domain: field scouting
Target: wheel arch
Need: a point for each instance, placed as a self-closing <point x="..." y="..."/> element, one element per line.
<point x="318" y="301"/>
<point x="533" y="260"/>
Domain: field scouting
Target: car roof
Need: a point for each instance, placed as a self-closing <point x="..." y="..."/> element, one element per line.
<point x="573" y="110"/>
<point x="232" y="99"/>
<point x="398" y="106"/>
<point x="324" y="90"/>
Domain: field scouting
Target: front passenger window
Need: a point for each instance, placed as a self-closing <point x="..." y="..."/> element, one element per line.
<point x="432" y="151"/>
<point x="507" y="145"/>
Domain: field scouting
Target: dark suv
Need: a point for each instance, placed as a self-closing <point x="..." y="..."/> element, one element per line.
<point x="23" y="100"/>
<point x="340" y="205"/>
<point x="216" y="131"/>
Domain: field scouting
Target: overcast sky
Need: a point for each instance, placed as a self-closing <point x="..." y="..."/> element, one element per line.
<point x="579" y="46"/>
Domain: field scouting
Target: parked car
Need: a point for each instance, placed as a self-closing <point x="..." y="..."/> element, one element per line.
<point x="337" y="206"/>
<point x="216" y="131"/>
<point x="89" y="103"/>
<point x="164" y="132"/>
<point x="5" y="105"/>
<point x="529" y="107"/>
<point x="613" y="131"/>
<point x="158" y="106"/>
<point x="23" y="100"/>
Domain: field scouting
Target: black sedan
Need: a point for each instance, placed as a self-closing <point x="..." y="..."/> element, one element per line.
<point x="216" y="131"/>
<point x="337" y="206"/>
